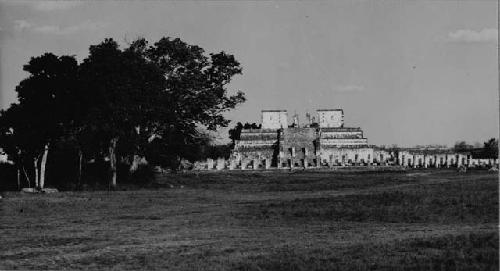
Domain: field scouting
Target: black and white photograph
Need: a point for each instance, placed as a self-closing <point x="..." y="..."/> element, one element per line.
<point x="249" y="135"/>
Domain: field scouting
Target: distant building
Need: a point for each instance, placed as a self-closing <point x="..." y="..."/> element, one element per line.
<point x="325" y="142"/>
<point x="274" y="119"/>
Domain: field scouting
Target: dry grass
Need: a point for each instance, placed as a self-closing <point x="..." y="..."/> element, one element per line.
<point x="247" y="221"/>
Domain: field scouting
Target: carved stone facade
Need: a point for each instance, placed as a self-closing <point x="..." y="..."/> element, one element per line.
<point x="324" y="142"/>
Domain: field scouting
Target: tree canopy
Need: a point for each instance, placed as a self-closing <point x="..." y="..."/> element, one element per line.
<point x="46" y="105"/>
<point x="147" y="100"/>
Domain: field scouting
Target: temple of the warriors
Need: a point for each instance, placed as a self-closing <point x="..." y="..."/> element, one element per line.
<point x="321" y="141"/>
<point x="324" y="142"/>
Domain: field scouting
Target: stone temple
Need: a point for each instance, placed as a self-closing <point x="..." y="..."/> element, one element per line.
<point x="321" y="141"/>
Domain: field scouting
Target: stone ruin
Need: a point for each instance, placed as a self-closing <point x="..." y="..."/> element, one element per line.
<point x="324" y="142"/>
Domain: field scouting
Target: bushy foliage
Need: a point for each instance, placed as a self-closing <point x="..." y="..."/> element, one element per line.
<point x="143" y="176"/>
<point x="488" y="151"/>
<point x="8" y="179"/>
<point x="147" y="100"/>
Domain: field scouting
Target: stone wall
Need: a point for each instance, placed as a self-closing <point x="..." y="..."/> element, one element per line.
<point x="346" y="156"/>
<point x="274" y="119"/>
<point x="330" y="118"/>
<point x="341" y="134"/>
<point x="298" y="143"/>
<point x="346" y="142"/>
<point x="383" y="157"/>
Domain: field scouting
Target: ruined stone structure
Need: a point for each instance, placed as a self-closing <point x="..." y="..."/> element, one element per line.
<point x="274" y="119"/>
<point x="324" y="142"/>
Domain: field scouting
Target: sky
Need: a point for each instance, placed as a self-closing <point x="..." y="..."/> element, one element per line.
<point x="406" y="72"/>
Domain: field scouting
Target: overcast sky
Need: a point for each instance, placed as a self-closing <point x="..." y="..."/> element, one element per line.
<point x="407" y="72"/>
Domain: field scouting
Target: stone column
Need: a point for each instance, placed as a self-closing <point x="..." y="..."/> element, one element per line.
<point x="268" y="163"/>
<point x="210" y="164"/>
<point x="415" y="161"/>
<point x="244" y="164"/>
<point x="436" y="161"/>
<point x="232" y="164"/>
<point x="426" y="161"/>
<point x="220" y="164"/>
<point x="459" y="160"/>
<point x="255" y="164"/>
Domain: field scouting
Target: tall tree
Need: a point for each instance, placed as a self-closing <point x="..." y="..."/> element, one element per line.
<point x="195" y="94"/>
<point x="235" y="133"/>
<point x="15" y="134"/>
<point x="120" y="102"/>
<point x="491" y="148"/>
<point x="44" y="109"/>
<point x="122" y="90"/>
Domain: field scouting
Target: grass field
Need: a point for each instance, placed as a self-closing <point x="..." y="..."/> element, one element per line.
<point x="415" y="220"/>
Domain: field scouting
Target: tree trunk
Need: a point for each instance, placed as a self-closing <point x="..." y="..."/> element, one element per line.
<point x="18" y="178"/>
<point x="112" y="161"/>
<point x="43" y="165"/>
<point x="136" y="159"/>
<point x="79" y="178"/>
<point x="27" y="177"/>
<point x="35" y="165"/>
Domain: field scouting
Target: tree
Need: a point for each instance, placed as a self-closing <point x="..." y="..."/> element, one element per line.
<point x="123" y="90"/>
<point x="462" y="146"/>
<point x="165" y="153"/>
<point x="120" y="103"/>
<point x="248" y="125"/>
<point x="491" y="149"/>
<point x="44" y="108"/>
<point x="195" y="94"/>
<point x="14" y="139"/>
<point x="235" y="133"/>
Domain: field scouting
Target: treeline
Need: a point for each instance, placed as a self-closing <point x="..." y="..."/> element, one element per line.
<point x="489" y="150"/>
<point x="235" y="132"/>
<point x="74" y="122"/>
